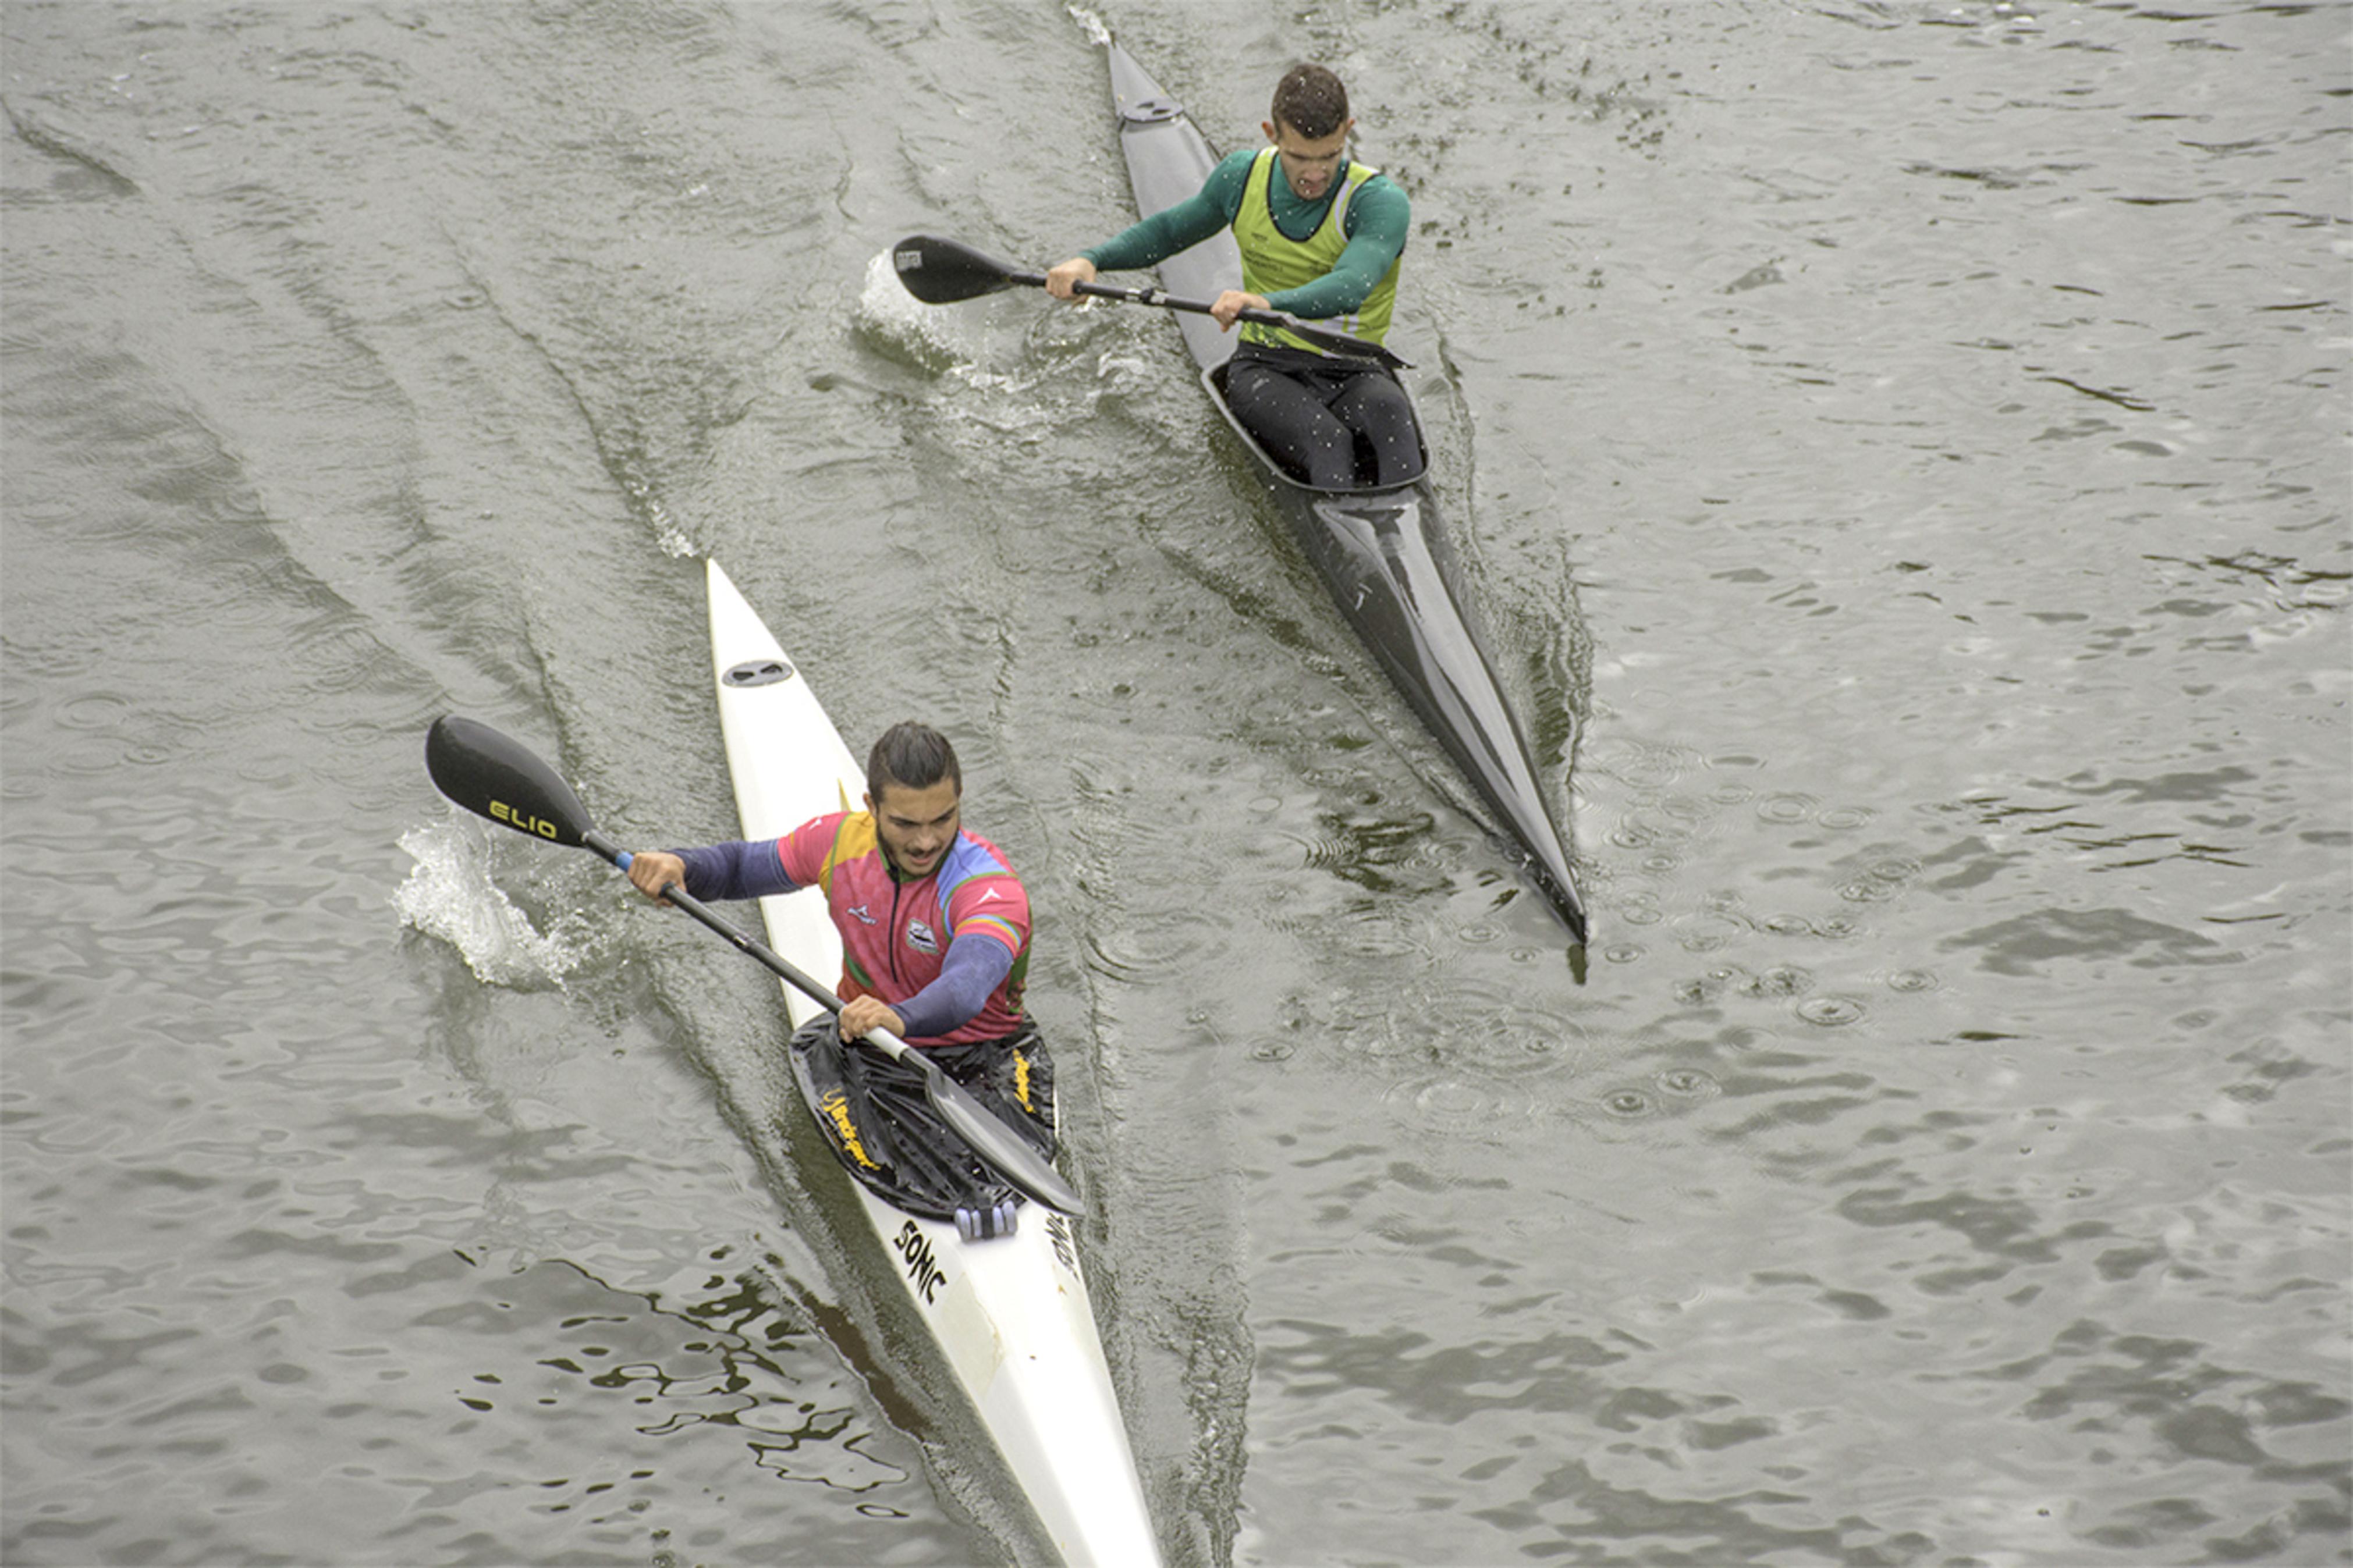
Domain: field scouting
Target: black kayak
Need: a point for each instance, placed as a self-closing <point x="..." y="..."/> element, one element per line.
<point x="1382" y="550"/>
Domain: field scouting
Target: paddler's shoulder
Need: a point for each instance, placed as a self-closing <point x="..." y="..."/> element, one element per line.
<point x="973" y="856"/>
<point x="1229" y="181"/>
<point x="1383" y="192"/>
<point x="847" y="835"/>
<point x="829" y="824"/>
<point x="1379" y="211"/>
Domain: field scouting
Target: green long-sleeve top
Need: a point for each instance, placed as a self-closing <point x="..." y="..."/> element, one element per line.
<point x="1376" y="223"/>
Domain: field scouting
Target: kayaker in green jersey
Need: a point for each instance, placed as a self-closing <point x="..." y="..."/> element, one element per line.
<point x="1320" y="236"/>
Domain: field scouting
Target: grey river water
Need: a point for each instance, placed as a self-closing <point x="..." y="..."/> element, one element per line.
<point x="1902" y="449"/>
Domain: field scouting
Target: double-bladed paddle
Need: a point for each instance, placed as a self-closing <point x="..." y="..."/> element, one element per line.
<point x="495" y="776"/>
<point x="943" y="271"/>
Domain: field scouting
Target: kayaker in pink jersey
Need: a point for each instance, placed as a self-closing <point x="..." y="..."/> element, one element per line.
<point x="935" y="924"/>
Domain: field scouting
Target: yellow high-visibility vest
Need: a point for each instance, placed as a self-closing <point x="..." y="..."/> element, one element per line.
<point x="1272" y="261"/>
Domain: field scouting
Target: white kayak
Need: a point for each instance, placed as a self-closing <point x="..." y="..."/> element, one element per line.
<point x="1011" y="1314"/>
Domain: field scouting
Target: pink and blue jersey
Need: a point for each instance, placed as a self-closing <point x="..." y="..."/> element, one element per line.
<point x="926" y="947"/>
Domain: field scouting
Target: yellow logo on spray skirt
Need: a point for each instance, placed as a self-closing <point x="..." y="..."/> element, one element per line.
<point x="837" y="1110"/>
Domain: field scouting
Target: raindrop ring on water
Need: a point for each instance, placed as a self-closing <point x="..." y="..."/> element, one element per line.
<point x="1707" y="932"/>
<point x="1627" y="1104"/>
<point x="1831" y="1012"/>
<point x="1688" y="1083"/>
<point x="93" y="710"/>
<point x="1454" y="1104"/>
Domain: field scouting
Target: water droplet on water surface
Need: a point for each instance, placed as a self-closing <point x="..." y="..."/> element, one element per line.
<point x="1705" y="934"/>
<point x="93" y="711"/>
<point x="1688" y="1083"/>
<point x="1832" y="1011"/>
<point x="1457" y="1105"/>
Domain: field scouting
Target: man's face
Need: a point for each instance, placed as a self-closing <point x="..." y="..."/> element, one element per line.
<point x="916" y="825"/>
<point x="1309" y="165"/>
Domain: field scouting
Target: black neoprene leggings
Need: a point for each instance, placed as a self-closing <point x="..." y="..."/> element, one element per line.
<point x="1312" y="416"/>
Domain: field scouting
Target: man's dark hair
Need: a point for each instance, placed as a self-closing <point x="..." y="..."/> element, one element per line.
<point x="1311" y="101"/>
<point x="913" y="755"/>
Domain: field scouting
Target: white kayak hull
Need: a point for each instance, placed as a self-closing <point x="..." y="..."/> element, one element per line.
<point x="1012" y="1315"/>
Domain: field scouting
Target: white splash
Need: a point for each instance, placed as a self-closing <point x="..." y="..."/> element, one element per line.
<point x="887" y="309"/>
<point x="449" y="896"/>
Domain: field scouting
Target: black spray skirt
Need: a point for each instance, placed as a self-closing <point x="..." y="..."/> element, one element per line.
<point x="874" y="1113"/>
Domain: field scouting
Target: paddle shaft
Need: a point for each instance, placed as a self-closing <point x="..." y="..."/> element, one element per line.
<point x="946" y="271"/>
<point x="1150" y="294"/>
<point x="792" y="973"/>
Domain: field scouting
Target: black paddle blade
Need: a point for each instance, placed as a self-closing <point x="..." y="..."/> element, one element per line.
<point x="503" y="779"/>
<point x="940" y="271"/>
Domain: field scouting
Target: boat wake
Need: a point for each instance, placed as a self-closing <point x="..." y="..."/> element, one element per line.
<point x="1097" y="33"/>
<point x="451" y="895"/>
<point x="1065" y="366"/>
